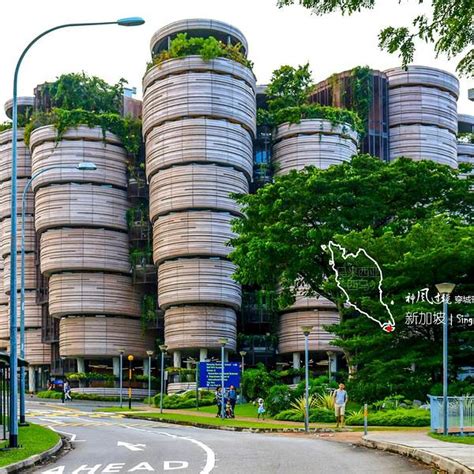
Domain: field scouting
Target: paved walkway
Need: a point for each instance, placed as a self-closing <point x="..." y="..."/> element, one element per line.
<point x="453" y="457"/>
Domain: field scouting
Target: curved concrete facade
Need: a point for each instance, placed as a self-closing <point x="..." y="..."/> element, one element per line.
<point x="32" y="315"/>
<point x="84" y="249"/>
<point x="423" y="114"/>
<point x="30" y="272"/>
<point x="199" y="119"/>
<point x="5" y="198"/>
<point x="5" y="234"/>
<point x="23" y="169"/>
<point x="312" y="143"/>
<point x="36" y="352"/>
<point x="100" y="337"/>
<point x="466" y="154"/>
<point x="187" y="327"/>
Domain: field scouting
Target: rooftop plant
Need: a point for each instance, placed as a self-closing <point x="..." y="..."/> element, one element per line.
<point x="208" y="48"/>
<point x="466" y="137"/>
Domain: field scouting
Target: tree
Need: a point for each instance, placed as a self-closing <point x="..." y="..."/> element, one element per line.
<point x="449" y="27"/>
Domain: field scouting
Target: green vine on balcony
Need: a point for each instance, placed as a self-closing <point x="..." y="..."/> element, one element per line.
<point x="208" y="48"/>
<point x="141" y="256"/>
<point x="148" y="310"/>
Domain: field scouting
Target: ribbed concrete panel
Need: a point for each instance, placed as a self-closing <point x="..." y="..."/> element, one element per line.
<point x="199" y="140"/>
<point x="77" y="145"/>
<point x="420" y="142"/>
<point x="92" y="293"/>
<point x="23" y="103"/>
<point x="466" y="154"/>
<point x="291" y="338"/>
<point x="36" y="352"/>
<point x="80" y="205"/>
<point x="198" y="27"/>
<point x="220" y="89"/>
<point x="197" y="280"/>
<point x="3" y="296"/>
<point x="84" y="249"/>
<point x="195" y="187"/>
<point x="423" y="76"/>
<point x="5" y="235"/>
<point x="94" y="337"/>
<point x="312" y="142"/>
<point x="32" y="315"/>
<point x="423" y="105"/>
<point x="190" y="234"/>
<point x="23" y="156"/>
<point x="187" y="327"/>
<point x="311" y="302"/>
<point x="5" y="198"/>
<point x="30" y="272"/>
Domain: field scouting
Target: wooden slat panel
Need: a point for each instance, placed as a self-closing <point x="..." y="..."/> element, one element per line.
<point x="92" y="337"/>
<point x="195" y="186"/>
<point x="92" y="293"/>
<point x="199" y="140"/>
<point x="30" y="272"/>
<point x="197" y="280"/>
<point x="23" y="169"/>
<point x="291" y="338"/>
<point x="80" y="205"/>
<point x="5" y="198"/>
<point x="187" y="327"/>
<point x="78" y="144"/>
<point x="5" y="235"/>
<point x="188" y="234"/>
<point x="84" y="249"/>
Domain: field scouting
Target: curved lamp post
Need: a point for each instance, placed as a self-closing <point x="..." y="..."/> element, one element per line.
<point x="83" y="166"/>
<point x="223" y="341"/>
<point x="149" y="354"/>
<point x="121" y="352"/>
<point x="163" y="349"/>
<point x="242" y="354"/>
<point x="13" y="437"/>
<point x="306" y="330"/>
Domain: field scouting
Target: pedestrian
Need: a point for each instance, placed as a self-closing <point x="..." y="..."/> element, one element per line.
<point x="261" y="409"/>
<point x="340" y="400"/>
<point x="67" y="391"/>
<point x="232" y="400"/>
<point x="218" y="396"/>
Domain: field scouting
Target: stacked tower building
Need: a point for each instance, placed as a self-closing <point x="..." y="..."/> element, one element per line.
<point x="198" y="125"/>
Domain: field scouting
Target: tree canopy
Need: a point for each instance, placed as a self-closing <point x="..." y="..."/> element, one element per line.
<point x="449" y="27"/>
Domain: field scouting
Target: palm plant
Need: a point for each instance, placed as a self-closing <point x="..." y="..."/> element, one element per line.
<point x="298" y="406"/>
<point x="325" y="401"/>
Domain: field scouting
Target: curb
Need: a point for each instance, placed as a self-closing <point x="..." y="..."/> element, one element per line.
<point x="228" y="428"/>
<point x="426" y="457"/>
<point x="32" y="460"/>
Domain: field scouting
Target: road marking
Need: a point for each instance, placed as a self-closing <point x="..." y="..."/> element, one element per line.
<point x="168" y="465"/>
<point x="72" y="436"/>
<point x="131" y="447"/>
<point x="210" y="455"/>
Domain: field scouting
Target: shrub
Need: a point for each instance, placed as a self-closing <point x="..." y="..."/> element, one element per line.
<point x="256" y="382"/>
<point x="316" y="415"/>
<point x="455" y="388"/>
<point x="400" y="417"/>
<point x="76" y="396"/>
<point x="185" y="400"/>
<point x="325" y="401"/>
<point x="278" y="399"/>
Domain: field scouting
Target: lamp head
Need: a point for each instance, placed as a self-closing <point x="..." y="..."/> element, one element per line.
<point x="149" y="353"/>
<point x="130" y="357"/>
<point x="163" y="348"/>
<point x="306" y="330"/>
<point x="243" y="353"/>
<point x="86" y="166"/>
<point x="445" y="288"/>
<point x="223" y="341"/>
<point x="131" y="21"/>
<point x="122" y="351"/>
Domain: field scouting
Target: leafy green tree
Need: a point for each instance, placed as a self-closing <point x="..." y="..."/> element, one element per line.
<point x="449" y="27"/>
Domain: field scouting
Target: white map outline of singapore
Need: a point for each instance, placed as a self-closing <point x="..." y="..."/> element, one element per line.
<point x="388" y="326"/>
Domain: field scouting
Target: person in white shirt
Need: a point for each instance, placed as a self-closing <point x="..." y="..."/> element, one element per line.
<point x="340" y="400"/>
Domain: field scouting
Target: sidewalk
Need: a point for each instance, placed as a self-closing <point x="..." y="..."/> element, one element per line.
<point x="450" y="457"/>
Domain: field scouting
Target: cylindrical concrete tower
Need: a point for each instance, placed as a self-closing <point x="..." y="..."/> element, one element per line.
<point x="198" y="123"/>
<point x="81" y="219"/>
<point x="318" y="143"/>
<point x="423" y="114"/>
<point x="466" y="145"/>
<point x="37" y="353"/>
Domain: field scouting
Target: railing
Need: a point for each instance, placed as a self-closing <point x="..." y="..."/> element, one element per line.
<point x="460" y="413"/>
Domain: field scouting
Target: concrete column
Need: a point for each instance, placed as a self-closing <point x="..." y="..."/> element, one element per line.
<point x="177" y="359"/>
<point x="296" y="365"/>
<point x="31" y="379"/>
<point x="146" y="366"/>
<point x="116" y="365"/>
<point x="202" y="354"/>
<point x="332" y="366"/>
<point x="81" y="366"/>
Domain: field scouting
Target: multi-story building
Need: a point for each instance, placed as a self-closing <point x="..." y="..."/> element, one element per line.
<point x="85" y="290"/>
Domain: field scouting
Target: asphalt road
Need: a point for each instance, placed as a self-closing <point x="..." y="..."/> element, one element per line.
<point x="109" y="443"/>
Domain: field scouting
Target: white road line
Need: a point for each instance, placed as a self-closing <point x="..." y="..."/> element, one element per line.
<point x="210" y="455"/>
<point x="72" y="436"/>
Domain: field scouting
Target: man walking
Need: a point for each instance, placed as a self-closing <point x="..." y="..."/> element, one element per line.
<point x="340" y="400"/>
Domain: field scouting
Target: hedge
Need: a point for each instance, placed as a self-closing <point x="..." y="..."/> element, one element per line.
<point x="399" y="417"/>
<point x="186" y="400"/>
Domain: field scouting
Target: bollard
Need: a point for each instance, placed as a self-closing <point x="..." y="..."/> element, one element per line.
<point x="461" y="416"/>
<point x="365" y="419"/>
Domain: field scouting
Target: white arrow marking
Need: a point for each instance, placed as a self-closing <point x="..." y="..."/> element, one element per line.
<point x="132" y="447"/>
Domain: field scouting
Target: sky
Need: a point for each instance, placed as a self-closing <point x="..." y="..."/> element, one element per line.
<point x="291" y="35"/>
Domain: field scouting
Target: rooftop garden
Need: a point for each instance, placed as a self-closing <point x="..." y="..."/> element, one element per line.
<point x="208" y="48"/>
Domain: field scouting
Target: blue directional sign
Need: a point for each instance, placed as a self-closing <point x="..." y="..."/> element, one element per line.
<point x="210" y="374"/>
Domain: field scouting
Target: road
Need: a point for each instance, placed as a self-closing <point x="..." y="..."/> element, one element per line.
<point x="110" y="443"/>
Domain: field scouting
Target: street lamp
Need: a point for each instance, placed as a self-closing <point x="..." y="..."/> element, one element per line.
<point x="121" y="352"/>
<point x="242" y="354"/>
<point x="83" y="166"/>
<point x="163" y="348"/>
<point x="13" y="437"/>
<point x="149" y="354"/>
<point x="130" y="360"/>
<point x="306" y="330"/>
<point x="445" y="289"/>
<point x="222" y="341"/>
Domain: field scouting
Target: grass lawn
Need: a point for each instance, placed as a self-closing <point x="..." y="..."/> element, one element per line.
<point x="453" y="438"/>
<point x="136" y="408"/>
<point x="34" y="439"/>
